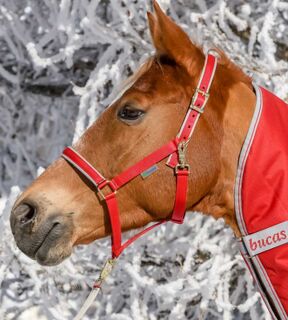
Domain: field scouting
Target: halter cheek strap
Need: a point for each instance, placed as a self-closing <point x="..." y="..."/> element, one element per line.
<point x="175" y="150"/>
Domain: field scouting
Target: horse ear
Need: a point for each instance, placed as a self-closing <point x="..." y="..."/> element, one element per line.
<point x="152" y="23"/>
<point x="170" y="40"/>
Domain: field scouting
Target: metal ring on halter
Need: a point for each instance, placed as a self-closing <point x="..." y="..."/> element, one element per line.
<point x="100" y="187"/>
<point x="214" y="53"/>
<point x="180" y="167"/>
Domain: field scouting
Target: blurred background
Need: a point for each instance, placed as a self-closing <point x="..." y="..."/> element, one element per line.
<point x="60" y="65"/>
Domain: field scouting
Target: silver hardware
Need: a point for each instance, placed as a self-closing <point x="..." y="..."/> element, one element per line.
<point x="214" y="53"/>
<point x="196" y="108"/>
<point x="182" y="149"/>
<point x="108" y="267"/>
<point x="101" y="193"/>
<point x="204" y="94"/>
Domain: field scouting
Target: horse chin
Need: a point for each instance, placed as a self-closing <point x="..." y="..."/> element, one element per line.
<point x="54" y="255"/>
<point x="55" y="247"/>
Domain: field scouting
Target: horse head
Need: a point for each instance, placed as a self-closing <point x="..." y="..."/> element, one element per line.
<point x="61" y="209"/>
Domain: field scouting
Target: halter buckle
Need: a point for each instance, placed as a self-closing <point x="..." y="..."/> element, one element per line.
<point x="199" y="110"/>
<point x="102" y="185"/>
<point x="203" y="93"/>
<point x="195" y="96"/>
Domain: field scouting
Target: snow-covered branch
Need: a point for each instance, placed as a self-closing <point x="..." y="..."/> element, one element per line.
<point x="60" y="65"/>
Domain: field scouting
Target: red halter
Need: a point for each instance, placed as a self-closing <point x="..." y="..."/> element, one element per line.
<point x="175" y="149"/>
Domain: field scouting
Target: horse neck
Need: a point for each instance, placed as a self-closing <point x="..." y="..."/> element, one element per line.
<point x="219" y="200"/>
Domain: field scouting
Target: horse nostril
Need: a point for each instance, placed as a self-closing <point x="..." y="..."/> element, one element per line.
<point x="25" y="213"/>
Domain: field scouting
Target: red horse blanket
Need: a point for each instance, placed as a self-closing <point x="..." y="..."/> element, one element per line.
<point x="261" y="200"/>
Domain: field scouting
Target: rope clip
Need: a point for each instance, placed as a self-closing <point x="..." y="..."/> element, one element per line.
<point x="182" y="149"/>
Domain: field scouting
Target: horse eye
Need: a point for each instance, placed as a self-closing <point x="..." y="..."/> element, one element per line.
<point x="129" y="113"/>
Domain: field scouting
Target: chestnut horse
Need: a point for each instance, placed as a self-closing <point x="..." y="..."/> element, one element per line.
<point x="60" y="209"/>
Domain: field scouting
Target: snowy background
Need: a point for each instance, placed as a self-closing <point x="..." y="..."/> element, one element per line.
<point x="59" y="64"/>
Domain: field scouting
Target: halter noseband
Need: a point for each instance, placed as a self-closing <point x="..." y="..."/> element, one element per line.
<point x="175" y="150"/>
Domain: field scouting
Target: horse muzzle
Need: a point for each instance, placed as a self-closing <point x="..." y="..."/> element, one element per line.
<point x="46" y="240"/>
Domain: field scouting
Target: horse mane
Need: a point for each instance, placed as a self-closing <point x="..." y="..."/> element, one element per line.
<point x="144" y="67"/>
<point x="237" y="72"/>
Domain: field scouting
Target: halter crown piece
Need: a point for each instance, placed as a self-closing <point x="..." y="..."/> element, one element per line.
<point x="175" y="151"/>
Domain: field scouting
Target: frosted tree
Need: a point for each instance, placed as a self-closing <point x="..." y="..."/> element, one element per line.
<point x="60" y="65"/>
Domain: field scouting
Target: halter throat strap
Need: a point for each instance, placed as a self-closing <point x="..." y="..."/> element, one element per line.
<point x="175" y="151"/>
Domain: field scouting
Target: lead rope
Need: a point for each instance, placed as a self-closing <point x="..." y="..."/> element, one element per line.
<point x="105" y="272"/>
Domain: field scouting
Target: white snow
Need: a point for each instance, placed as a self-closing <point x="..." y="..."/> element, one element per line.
<point x="87" y="48"/>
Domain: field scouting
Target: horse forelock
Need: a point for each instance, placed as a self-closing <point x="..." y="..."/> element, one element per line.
<point x="129" y="82"/>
